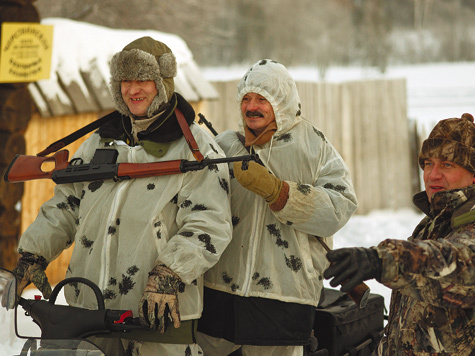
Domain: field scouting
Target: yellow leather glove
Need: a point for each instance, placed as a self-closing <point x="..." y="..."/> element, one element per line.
<point x="31" y="269"/>
<point x="160" y="299"/>
<point x="259" y="180"/>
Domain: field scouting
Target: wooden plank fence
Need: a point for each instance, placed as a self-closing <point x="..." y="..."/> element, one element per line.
<point x="40" y="133"/>
<point x="367" y="123"/>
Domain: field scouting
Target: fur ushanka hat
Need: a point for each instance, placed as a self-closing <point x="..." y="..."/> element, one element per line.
<point x="144" y="59"/>
<point x="452" y="140"/>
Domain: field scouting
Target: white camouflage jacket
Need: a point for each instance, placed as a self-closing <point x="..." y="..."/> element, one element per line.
<point x="123" y="229"/>
<point x="275" y="254"/>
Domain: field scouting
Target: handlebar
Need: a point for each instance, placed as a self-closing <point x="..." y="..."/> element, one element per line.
<point x="64" y="321"/>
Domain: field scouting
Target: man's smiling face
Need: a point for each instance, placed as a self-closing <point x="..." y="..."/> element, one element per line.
<point x="442" y="175"/>
<point x="257" y="112"/>
<point x="138" y="95"/>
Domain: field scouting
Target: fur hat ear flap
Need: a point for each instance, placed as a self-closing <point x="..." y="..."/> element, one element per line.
<point x="168" y="66"/>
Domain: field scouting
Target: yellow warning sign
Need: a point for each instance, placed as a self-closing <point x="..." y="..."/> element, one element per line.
<point x="25" y="53"/>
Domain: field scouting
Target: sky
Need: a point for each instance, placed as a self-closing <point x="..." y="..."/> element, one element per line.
<point x="435" y="92"/>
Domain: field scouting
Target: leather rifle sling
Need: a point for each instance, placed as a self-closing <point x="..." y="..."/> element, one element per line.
<point x="55" y="146"/>
<point x="188" y="136"/>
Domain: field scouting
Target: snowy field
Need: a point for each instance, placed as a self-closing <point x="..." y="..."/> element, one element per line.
<point x="435" y="92"/>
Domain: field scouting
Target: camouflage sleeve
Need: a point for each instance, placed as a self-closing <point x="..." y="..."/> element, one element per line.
<point x="440" y="271"/>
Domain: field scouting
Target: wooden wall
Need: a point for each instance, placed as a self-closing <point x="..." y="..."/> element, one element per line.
<point x="40" y="133"/>
<point x="15" y="113"/>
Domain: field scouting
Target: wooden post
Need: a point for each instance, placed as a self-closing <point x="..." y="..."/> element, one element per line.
<point x="15" y="113"/>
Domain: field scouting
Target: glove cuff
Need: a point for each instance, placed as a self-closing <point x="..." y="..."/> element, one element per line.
<point x="168" y="277"/>
<point x="278" y="203"/>
<point x="376" y="262"/>
<point x="31" y="259"/>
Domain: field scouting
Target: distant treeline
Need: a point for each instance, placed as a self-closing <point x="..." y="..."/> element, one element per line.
<point x="373" y="33"/>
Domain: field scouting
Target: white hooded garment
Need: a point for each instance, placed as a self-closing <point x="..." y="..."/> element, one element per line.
<point x="275" y="254"/>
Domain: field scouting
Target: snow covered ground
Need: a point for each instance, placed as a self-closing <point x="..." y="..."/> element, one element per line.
<point x="435" y="92"/>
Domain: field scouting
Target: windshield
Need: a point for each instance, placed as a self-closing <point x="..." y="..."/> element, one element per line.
<point x="36" y="347"/>
<point x="7" y="289"/>
<point x="28" y="342"/>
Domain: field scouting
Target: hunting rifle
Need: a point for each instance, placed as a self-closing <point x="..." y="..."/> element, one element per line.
<point x="103" y="166"/>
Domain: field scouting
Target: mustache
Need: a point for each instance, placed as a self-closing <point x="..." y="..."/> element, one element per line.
<point x="254" y="114"/>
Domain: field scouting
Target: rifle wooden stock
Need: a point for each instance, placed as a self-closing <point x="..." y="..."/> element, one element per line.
<point x="360" y="294"/>
<point x="24" y="168"/>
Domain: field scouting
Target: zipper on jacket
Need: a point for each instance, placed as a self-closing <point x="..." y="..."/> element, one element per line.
<point x="254" y="242"/>
<point x="105" y="257"/>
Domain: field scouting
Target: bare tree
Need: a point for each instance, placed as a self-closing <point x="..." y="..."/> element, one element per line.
<point x="312" y="32"/>
<point x="193" y="20"/>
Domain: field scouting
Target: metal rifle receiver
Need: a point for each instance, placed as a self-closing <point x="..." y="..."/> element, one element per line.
<point x="208" y="124"/>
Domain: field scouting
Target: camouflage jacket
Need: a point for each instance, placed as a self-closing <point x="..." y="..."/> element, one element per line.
<point x="433" y="280"/>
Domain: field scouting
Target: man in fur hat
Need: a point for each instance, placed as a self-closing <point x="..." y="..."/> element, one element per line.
<point x="145" y="242"/>
<point x="432" y="275"/>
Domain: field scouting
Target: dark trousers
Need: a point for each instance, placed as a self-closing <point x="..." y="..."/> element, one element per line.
<point x="255" y="321"/>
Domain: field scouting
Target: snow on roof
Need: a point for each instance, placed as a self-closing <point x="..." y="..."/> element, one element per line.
<point x="80" y="68"/>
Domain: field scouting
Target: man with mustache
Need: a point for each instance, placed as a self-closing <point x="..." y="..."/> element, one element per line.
<point x="432" y="275"/>
<point x="262" y="294"/>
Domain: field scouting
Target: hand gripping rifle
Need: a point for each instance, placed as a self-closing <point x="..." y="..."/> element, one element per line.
<point x="360" y="293"/>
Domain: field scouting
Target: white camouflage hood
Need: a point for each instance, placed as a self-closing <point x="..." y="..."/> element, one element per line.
<point x="272" y="80"/>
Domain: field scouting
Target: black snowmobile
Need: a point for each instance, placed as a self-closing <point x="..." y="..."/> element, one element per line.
<point x="64" y="328"/>
<point x="342" y="328"/>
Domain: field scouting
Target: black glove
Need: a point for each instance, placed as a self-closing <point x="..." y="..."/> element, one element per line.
<point x="351" y="266"/>
<point x="31" y="268"/>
